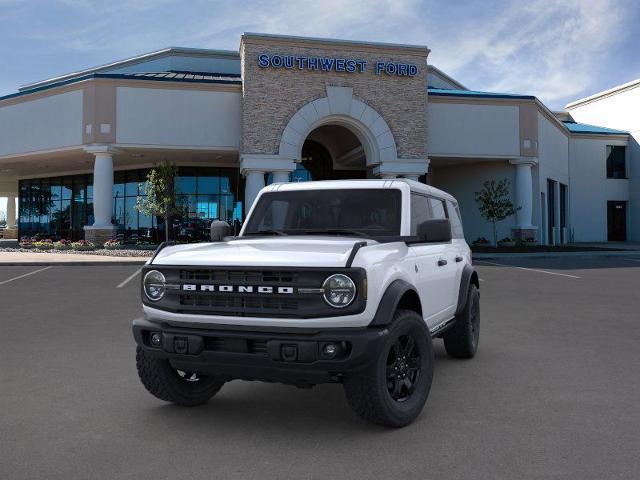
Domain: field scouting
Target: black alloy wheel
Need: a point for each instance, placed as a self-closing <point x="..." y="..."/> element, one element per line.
<point x="403" y="368"/>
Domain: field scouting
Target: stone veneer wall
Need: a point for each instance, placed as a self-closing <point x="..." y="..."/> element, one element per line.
<point x="272" y="96"/>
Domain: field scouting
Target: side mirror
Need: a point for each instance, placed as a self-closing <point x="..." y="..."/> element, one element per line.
<point x="218" y="230"/>
<point x="434" y="231"/>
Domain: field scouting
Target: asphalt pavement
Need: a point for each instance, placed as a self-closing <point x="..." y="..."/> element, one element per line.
<point x="554" y="391"/>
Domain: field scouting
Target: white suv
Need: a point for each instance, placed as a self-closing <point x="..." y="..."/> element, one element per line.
<point x="335" y="281"/>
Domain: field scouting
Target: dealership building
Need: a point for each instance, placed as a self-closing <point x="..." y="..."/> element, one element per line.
<point x="75" y="149"/>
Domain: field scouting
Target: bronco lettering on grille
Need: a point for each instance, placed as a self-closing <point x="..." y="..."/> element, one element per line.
<point x="191" y="287"/>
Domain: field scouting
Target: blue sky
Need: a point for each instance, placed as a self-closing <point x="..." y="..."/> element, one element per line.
<point x="557" y="50"/>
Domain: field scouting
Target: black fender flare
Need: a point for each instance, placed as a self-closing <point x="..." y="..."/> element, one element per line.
<point x="389" y="302"/>
<point x="469" y="276"/>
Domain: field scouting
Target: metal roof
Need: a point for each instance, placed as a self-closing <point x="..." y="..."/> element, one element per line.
<point x="134" y="60"/>
<point x="444" y="92"/>
<point x="585" y="128"/>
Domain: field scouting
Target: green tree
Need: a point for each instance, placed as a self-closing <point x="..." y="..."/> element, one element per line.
<point x="494" y="203"/>
<point x="161" y="199"/>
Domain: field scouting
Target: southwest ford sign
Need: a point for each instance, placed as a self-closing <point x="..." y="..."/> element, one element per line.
<point x="334" y="64"/>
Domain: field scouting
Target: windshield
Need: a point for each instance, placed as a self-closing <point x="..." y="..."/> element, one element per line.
<point x="359" y="212"/>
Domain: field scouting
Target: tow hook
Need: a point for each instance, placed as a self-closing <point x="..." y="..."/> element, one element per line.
<point x="180" y="345"/>
<point x="289" y="352"/>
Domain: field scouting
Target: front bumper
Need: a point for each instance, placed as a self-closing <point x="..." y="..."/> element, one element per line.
<point x="292" y="356"/>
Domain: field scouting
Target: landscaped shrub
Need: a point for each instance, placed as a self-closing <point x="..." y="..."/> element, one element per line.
<point x="43" y="244"/>
<point x="146" y="246"/>
<point x="113" y="245"/>
<point x="480" y="241"/>
<point x="62" y="245"/>
<point x="506" y="242"/>
<point x="26" y="242"/>
<point x="83" y="245"/>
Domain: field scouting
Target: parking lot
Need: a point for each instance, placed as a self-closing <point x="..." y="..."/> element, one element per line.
<point x="554" y="391"/>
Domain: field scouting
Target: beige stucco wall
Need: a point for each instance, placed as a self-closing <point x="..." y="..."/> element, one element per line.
<point x="178" y="117"/>
<point x="272" y="96"/>
<point x="50" y="122"/>
<point x="461" y="129"/>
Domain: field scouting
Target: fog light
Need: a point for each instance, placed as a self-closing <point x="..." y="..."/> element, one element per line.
<point x="330" y="350"/>
<point x="156" y="339"/>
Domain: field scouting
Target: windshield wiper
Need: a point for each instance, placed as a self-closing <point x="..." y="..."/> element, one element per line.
<point x="337" y="231"/>
<point x="266" y="232"/>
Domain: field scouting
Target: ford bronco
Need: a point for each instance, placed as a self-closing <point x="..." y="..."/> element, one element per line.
<point x="336" y="281"/>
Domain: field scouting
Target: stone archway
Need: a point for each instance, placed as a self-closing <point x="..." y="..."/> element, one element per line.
<point x="339" y="107"/>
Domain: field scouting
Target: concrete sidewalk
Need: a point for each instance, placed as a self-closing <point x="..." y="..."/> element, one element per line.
<point x="34" y="259"/>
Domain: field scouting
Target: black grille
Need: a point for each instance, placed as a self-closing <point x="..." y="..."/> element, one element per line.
<point x="237" y="345"/>
<point x="254" y="303"/>
<point x="235" y="303"/>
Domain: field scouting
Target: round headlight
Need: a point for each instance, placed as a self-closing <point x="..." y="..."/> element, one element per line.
<point x="154" y="285"/>
<point x="339" y="290"/>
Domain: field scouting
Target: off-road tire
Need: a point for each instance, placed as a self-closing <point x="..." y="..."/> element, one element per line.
<point x="461" y="340"/>
<point x="368" y="390"/>
<point x="164" y="382"/>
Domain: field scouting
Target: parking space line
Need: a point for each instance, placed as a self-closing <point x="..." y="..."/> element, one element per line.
<point x="25" y="275"/>
<point x="529" y="269"/>
<point x="129" y="278"/>
<point x="632" y="259"/>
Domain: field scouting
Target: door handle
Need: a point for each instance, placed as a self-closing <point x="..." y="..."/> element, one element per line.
<point x="459" y="259"/>
<point x="442" y="262"/>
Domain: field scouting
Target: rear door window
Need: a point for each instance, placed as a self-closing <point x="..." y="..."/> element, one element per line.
<point x="420" y="211"/>
<point x="454" y="218"/>
<point x="437" y="208"/>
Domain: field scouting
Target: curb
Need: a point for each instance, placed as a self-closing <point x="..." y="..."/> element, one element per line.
<point x="617" y="253"/>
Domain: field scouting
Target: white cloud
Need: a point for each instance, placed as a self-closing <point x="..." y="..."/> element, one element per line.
<point x="546" y="48"/>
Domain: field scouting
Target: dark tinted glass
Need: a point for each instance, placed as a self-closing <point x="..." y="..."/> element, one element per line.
<point x="374" y="212"/>
<point x="616" y="162"/>
<point x="420" y="211"/>
<point x="454" y="218"/>
<point x="437" y="208"/>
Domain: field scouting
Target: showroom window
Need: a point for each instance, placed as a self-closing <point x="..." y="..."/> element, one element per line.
<point x="616" y="161"/>
<point x="59" y="207"/>
<point x="204" y="195"/>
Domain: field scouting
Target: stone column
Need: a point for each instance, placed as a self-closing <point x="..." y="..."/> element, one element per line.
<point x="102" y="228"/>
<point x="410" y="168"/>
<point x="524" y="198"/>
<point x="280" y="176"/>
<point x="11" y="232"/>
<point x="11" y="211"/>
<point x="254" y="165"/>
<point x="254" y="183"/>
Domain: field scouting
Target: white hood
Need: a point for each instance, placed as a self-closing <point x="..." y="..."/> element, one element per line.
<point x="286" y="251"/>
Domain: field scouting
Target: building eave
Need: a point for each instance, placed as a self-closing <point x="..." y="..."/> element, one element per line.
<point x="448" y="78"/>
<point x="116" y="76"/>
<point x="605" y="93"/>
